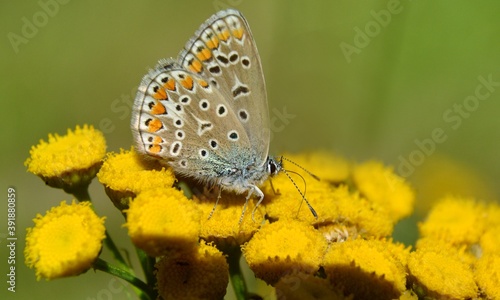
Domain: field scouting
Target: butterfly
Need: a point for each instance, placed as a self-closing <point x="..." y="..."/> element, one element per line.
<point x="206" y="113"/>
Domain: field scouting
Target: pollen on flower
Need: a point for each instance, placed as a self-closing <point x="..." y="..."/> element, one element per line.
<point x="441" y="274"/>
<point x="380" y="184"/>
<point x="125" y="175"/>
<point x="223" y="227"/>
<point x="487" y="275"/>
<point x="456" y="221"/>
<point x="163" y="221"/>
<point x="64" y="242"/>
<point x="282" y="247"/>
<point x="339" y="211"/>
<point x="368" y="269"/>
<point x="198" y="273"/>
<point x="69" y="160"/>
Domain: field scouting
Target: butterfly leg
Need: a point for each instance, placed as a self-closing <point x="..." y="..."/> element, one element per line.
<point x="216" y="202"/>
<point x="260" y="194"/>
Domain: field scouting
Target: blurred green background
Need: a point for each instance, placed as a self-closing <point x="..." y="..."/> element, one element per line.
<point x="370" y="79"/>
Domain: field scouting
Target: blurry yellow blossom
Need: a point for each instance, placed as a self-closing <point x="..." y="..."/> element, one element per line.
<point x="126" y="174"/>
<point x="368" y="269"/>
<point x="441" y="274"/>
<point x="381" y="185"/>
<point x="490" y="241"/>
<point x="282" y="247"/>
<point x="325" y="165"/>
<point x="163" y="221"/>
<point x="442" y="175"/>
<point x="456" y="221"/>
<point x="70" y="161"/>
<point x="199" y="273"/>
<point x="487" y="274"/>
<point x="64" y="242"/>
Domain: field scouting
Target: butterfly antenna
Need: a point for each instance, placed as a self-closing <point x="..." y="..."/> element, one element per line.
<point x="300" y="192"/>
<point x="301" y="167"/>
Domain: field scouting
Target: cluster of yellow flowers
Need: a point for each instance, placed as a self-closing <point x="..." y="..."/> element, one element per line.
<point x="345" y="253"/>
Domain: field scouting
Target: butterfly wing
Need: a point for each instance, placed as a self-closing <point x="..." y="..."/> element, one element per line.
<point x="224" y="52"/>
<point x="186" y="122"/>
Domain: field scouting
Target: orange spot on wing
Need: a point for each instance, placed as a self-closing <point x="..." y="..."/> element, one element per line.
<point x="203" y="83"/>
<point x="196" y="66"/>
<point x="155" y="149"/>
<point x="160" y="94"/>
<point x="158" y="109"/>
<point x="187" y="83"/>
<point x="155" y="125"/>
<point x="238" y="33"/>
<point x="224" y="35"/>
<point x="213" y="43"/>
<point x="170" y="84"/>
<point x="204" y="54"/>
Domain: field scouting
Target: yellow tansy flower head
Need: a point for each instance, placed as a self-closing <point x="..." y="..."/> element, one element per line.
<point x="224" y="227"/>
<point x="69" y="161"/>
<point x="487" y="274"/>
<point x="456" y="221"/>
<point x="356" y="214"/>
<point x="441" y="274"/>
<point x="368" y="269"/>
<point x="126" y="174"/>
<point x="163" y="221"/>
<point x="198" y="274"/>
<point x="381" y="185"/>
<point x="64" y="242"/>
<point x="283" y="247"/>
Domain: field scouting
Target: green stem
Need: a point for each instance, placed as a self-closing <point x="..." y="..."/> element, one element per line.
<point x="115" y="251"/>
<point x="146" y="292"/>
<point x="147" y="263"/>
<point x="81" y="193"/>
<point x="236" y="276"/>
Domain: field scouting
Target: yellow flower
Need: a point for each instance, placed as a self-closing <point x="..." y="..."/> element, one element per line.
<point x="126" y="174"/>
<point x="68" y="162"/>
<point x="463" y="253"/>
<point x="327" y="166"/>
<point x="369" y="269"/>
<point x="441" y="175"/>
<point x="487" y="274"/>
<point x="300" y="286"/>
<point x="490" y="240"/>
<point x="64" y="242"/>
<point x="282" y="247"/>
<point x="223" y="227"/>
<point x="198" y="274"/>
<point x="286" y="201"/>
<point x="441" y="274"/>
<point x="456" y="221"/>
<point x="340" y="213"/>
<point x="163" y="221"/>
<point x="381" y="185"/>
